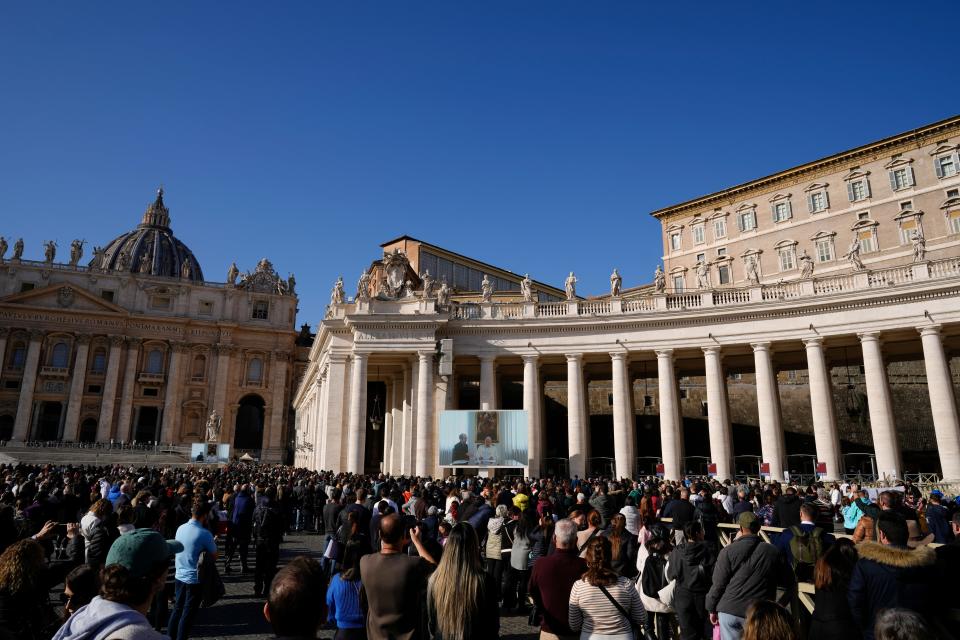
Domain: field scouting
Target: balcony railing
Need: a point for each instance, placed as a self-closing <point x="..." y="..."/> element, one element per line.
<point x="55" y="372"/>
<point x="150" y="377"/>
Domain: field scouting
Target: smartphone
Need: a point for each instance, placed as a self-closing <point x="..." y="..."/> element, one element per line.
<point x="60" y="530"/>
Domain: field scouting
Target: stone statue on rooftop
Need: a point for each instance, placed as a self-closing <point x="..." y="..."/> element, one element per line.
<point x="363" y="287"/>
<point x="443" y="293"/>
<point x="232" y="274"/>
<point x="18" y="249"/>
<point x="76" y="251"/>
<point x="570" y="285"/>
<point x="49" y="251"/>
<point x="526" y="288"/>
<point x="408" y="289"/>
<point x="291" y="284"/>
<point x="703" y="274"/>
<point x="213" y="426"/>
<point x="806" y="264"/>
<point x="185" y="269"/>
<point x="338" y="294"/>
<point x="3" y="248"/>
<point x="615" y="283"/>
<point x="122" y="260"/>
<point x="659" y="280"/>
<point x="427" y="284"/>
<point x="919" y="245"/>
<point x="753" y="277"/>
<point x="486" y="289"/>
<point x="853" y="254"/>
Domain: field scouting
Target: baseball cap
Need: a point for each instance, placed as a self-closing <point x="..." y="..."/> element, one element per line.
<point x="746" y="519"/>
<point x="140" y="550"/>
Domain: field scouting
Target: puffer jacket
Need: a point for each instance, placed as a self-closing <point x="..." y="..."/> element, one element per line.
<point x="494" y="539"/>
<point x="892" y="577"/>
<point x="96" y="539"/>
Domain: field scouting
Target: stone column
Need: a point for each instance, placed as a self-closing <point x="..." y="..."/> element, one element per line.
<point x="718" y="414"/>
<point x="671" y="433"/>
<point x="885" y="444"/>
<point x="488" y="383"/>
<point x="77" y="378"/>
<point x="278" y="405"/>
<point x="21" y="426"/>
<point x="531" y="404"/>
<point x="943" y="405"/>
<point x="334" y="411"/>
<point x="171" y="394"/>
<point x="404" y="462"/>
<point x="396" y="439"/>
<point x="768" y="408"/>
<point x="356" y="432"/>
<point x="4" y="332"/>
<point x="318" y="436"/>
<point x="223" y="351"/>
<point x="826" y="436"/>
<point x="388" y="426"/>
<point x="576" y="429"/>
<point x="109" y="398"/>
<point x="424" y="440"/>
<point x="623" y="431"/>
<point x="123" y="429"/>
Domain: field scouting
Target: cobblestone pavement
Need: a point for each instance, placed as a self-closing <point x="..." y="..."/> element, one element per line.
<point x="239" y="615"/>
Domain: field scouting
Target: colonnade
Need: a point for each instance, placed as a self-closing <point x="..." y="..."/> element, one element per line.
<point x="416" y="396"/>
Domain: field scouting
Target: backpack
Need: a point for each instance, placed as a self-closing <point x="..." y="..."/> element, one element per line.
<point x="266" y="525"/>
<point x="654" y="575"/>
<point x="806" y="548"/>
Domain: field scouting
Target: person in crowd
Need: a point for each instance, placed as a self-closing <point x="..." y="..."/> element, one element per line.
<point x="890" y="574"/>
<point x="709" y="516"/>
<point x="80" y="586"/>
<point x="96" y="530"/>
<point x="241" y="527"/>
<point x="767" y="620"/>
<point x="135" y="572"/>
<point x="551" y="580"/>
<point x="832" y="618"/>
<point x="25" y="582"/>
<point x="291" y="606"/>
<point x="681" y="511"/>
<point x="393" y="593"/>
<point x="691" y="565"/>
<point x="786" y="510"/>
<point x="938" y="519"/>
<point x="631" y="515"/>
<point x="494" y="545"/>
<point x="765" y="512"/>
<point x="624" y="545"/>
<point x="602" y="504"/>
<point x="747" y="569"/>
<point x="343" y="596"/>
<point x="514" y="593"/>
<point x="743" y="504"/>
<point x="652" y="564"/>
<point x="593" y="529"/>
<point x="602" y="603"/>
<point x="802" y="545"/>
<point x="195" y="539"/>
<point x="268" y="528"/>
<point x="541" y="538"/>
<point x="461" y="597"/>
<point x="901" y="624"/>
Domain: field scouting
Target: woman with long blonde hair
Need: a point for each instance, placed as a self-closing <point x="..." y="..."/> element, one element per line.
<point x="461" y="597"/>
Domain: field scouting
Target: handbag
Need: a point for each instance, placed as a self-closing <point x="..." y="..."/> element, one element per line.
<point x="639" y="633"/>
<point x="333" y="550"/>
<point x="665" y="595"/>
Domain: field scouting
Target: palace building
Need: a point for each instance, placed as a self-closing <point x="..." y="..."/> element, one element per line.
<point x="803" y="323"/>
<point x="137" y="347"/>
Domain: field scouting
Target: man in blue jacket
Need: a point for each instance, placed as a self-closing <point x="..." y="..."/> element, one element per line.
<point x="806" y="533"/>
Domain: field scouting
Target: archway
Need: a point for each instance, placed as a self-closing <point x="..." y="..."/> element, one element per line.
<point x="147" y="420"/>
<point x="6" y="428"/>
<point x="48" y="421"/>
<point x="88" y="430"/>
<point x="248" y="433"/>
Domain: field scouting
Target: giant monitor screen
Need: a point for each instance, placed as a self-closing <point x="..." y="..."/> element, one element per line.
<point x="483" y="439"/>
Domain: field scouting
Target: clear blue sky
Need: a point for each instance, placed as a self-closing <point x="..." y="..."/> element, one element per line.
<point x="536" y="136"/>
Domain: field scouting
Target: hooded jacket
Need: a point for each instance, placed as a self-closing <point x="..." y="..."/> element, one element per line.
<point x="747" y="569"/>
<point x="888" y="576"/>
<point x="786" y="511"/>
<point x="106" y="620"/>
<point x="685" y="563"/>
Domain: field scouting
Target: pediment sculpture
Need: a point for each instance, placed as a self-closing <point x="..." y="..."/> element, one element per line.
<point x="264" y="279"/>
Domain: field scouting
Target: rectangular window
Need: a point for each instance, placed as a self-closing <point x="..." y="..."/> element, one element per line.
<point x="205" y="308"/>
<point x="26" y="286"/>
<point x="901" y="178"/>
<point x="953" y="193"/>
<point x="683" y="394"/>
<point x="675" y="241"/>
<point x="906" y="204"/>
<point x="781" y="211"/>
<point x="720" y="228"/>
<point x="786" y="259"/>
<point x="954" y="217"/>
<point x="261" y="310"/>
<point x="107" y="295"/>
<point x="678" y="284"/>
<point x="724" y="272"/>
<point x="946" y="166"/>
<point x="858" y="190"/>
<point x="825" y="250"/>
<point x="867" y="244"/>
<point x="698" y="234"/>
<point x="94" y="388"/>
<point x="748" y="220"/>
<point x="907" y="227"/>
<point x="817" y="201"/>
<point x="701" y="257"/>
<point x="722" y="251"/>
<point x="160" y="302"/>
<point x="648" y="401"/>
<point x="152" y="392"/>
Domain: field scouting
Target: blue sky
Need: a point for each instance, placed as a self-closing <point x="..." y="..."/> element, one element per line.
<point x="536" y="136"/>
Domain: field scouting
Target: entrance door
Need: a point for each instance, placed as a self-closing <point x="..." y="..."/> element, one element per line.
<point x="147" y="420"/>
<point x="48" y="422"/>
<point x="88" y="430"/>
<point x="248" y="434"/>
<point x="6" y="428"/>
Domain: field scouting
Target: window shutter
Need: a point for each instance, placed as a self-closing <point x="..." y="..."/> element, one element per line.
<point x="850" y="191"/>
<point x="910" y="179"/>
<point x="810" y="207"/>
<point x="826" y="199"/>
<point x="789" y="209"/>
<point x="893" y="179"/>
<point x="937" y="167"/>
<point x="773" y="211"/>
<point x="866" y="187"/>
<point x="956" y="161"/>
<point x="740" y="221"/>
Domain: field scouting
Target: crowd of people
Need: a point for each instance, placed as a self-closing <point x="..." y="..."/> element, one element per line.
<point x="139" y="551"/>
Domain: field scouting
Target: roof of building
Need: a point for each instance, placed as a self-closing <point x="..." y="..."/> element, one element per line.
<point x="931" y="131"/>
<point x="151" y="248"/>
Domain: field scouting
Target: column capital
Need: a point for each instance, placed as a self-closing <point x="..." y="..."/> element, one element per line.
<point x="222" y="349"/>
<point x="426" y="355"/>
<point x="760" y="346"/>
<point x="281" y="356"/>
<point x="117" y="340"/>
<point x="180" y="346"/>
<point x="36" y="335"/>
<point x="133" y="342"/>
<point x="869" y="336"/>
<point x="664" y="353"/>
<point x="83" y="338"/>
<point x="618" y="355"/>
<point x="337" y="358"/>
<point x="530" y="358"/>
<point x="4" y="332"/>
<point x="487" y="357"/>
<point x="930" y="330"/>
<point x="574" y="357"/>
<point x="711" y="350"/>
<point x="814" y="342"/>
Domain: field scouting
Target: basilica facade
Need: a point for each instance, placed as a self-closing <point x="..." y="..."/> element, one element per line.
<point x="137" y="346"/>
<point x="804" y="322"/>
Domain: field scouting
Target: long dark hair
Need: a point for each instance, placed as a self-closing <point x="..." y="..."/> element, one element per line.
<point x="834" y="568"/>
<point x="352" y="553"/>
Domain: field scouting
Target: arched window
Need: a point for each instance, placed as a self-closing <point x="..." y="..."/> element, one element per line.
<point x="255" y="371"/>
<point x="199" y="367"/>
<point x="155" y="361"/>
<point x="18" y="356"/>
<point x="61" y="355"/>
<point x="99" y="362"/>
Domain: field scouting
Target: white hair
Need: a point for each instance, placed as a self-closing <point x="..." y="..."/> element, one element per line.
<point x="566" y="533"/>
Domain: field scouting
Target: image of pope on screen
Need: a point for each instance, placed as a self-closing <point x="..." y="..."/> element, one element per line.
<point x="483" y="438"/>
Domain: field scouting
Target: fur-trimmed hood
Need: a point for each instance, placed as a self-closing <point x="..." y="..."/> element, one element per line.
<point x="898" y="557"/>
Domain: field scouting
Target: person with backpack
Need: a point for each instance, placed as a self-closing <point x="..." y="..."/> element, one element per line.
<point x="653" y="585"/>
<point x="691" y="565"/>
<point x="804" y="544"/>
<point x="268" y="528"/>
<point x="708" y="515"/>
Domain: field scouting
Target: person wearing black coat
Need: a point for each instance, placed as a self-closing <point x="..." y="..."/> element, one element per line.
<point x="691" y="565"/>
<point x="832" y="618"/>
<point x="786" y="510"/>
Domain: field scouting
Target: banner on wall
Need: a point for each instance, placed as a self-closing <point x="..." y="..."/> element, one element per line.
<point x="483" y="439"/>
